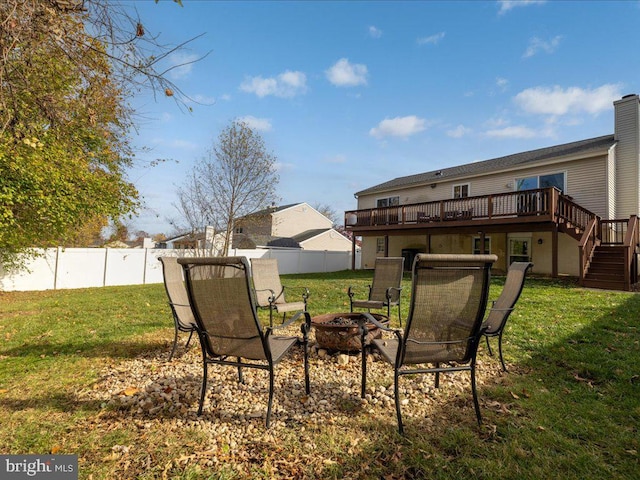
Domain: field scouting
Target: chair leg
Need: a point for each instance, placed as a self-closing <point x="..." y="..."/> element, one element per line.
<point x="240" y="376"/>
<point x="189" y="339"/>
<point x="399" y="314"/>
<point x="175" y="343"/>
<point x="504" y="367"/>
<point x="363" y="336"/>
<point x="437" y="376"/>
<point x="475" y="392"/>
<point x="396" y="394"/>
<point x="204" y="386"/>
<point x="305" y="349"/>
<point x="271" y="382"/>
<point x="486" y="337"/>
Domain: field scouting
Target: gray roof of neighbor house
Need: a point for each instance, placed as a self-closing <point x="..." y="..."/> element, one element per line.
<point x="301" y="237"/>
<point x="582" y="147"/>
<point x="270" y="209"/>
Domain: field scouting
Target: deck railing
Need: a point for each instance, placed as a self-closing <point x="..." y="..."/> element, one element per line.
<point x="524" y="203"/>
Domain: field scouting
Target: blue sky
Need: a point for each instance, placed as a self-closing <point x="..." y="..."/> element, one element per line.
<point x="351" y="94"/>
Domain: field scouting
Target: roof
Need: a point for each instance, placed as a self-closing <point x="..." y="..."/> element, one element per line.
<point x="270" y="210"/>
<point x="301" y="237"/>
<point x="582" y="147"/>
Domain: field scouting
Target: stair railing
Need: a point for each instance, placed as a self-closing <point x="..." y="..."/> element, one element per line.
<point x="630" y="259"/>
<point x="587" y="245"/>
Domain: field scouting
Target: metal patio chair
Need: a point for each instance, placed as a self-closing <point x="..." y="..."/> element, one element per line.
<point x="444" y="326"/>
<point x="269" y="291"/>
<point x="178" y="300"/>
<point x="505" y="304"/>
<point x="227" y="321"/>
<point x="385" y="289"/>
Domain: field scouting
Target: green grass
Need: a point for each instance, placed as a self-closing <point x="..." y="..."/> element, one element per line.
<point x="569" y="407"/>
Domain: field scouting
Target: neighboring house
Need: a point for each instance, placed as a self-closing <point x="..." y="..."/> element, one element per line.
<point x="318" y="239"/>
<point x="209" y="240"/>
<point x="290" y="226"/>
<point x="571" y="209"/>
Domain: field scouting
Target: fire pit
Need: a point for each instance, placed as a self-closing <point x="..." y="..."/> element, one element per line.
<point x="339" y="331"/>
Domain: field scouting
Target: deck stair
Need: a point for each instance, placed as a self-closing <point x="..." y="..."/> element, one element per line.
<point x="607" y="268"/>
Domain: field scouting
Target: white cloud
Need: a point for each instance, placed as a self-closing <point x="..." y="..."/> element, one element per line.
<point x="181" y="65"/>
<point x="537" y="45"/>
<point x="345" y="74"/>
<point x="286" y="85"/>
<point x="259" y="124"/>
<point x="502" y="83"/>
<point x="572" y="100"/>
<point x="398" y="127"/>
<point x="512" y="132"/>
<point x="431" y="40"/>
<point x="375" y="32"/>
<point x="506" y="5"/>
<point x="459" y="131"/>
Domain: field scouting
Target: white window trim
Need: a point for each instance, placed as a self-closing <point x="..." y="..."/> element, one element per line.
<point x="538" y="175"/>
<point x="453" y="189"/>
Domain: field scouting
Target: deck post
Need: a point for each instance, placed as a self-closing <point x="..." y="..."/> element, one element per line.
<point x="554" y="252"/>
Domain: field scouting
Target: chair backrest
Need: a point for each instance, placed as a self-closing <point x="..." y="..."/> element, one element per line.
<point x="177" y="291"/>
<point x="266" y="279"/>
<point x="503" y="306"/>
<point x="448" y="302"/>
<point x="387" y="273"/>
<point x="220" y="293"/>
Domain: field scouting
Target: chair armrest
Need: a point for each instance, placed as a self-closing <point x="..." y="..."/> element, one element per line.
<point x="391" y="289"/>
<point x="381" y="326"/>
<point x="273" y="297"/>
<point x="305" y="291"/>
<point x="306" y="325"/>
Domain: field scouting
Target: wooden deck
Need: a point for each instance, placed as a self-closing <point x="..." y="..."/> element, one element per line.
<point x="538" y="209"/>
<point x="543" y="209"/>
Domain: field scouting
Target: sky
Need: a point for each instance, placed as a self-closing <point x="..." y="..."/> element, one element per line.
<point x="350" y="94"/>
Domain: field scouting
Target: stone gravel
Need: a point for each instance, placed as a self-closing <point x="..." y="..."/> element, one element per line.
<point x="151" y="389"/>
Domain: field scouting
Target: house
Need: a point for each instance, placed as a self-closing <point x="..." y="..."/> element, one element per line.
<point x="570" y="209"/>
<point x="289" y="226"/>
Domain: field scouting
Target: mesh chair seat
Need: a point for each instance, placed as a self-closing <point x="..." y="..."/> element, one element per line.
<point x="444" y="325"/>
<point x="174" y="285"/>
<point x="227" y="321"/>
<point x="502" y="307"/>
<point x="269" y="291"/>
<point x="385" y="289"/>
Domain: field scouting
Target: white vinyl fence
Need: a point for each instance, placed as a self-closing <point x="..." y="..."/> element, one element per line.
<point x="60" y="268"/>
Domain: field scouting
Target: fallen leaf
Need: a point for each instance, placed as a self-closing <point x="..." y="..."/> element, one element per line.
<point x="514" y="396"/>
<point x="55" y="449"/>
<point x="130" y="391"/>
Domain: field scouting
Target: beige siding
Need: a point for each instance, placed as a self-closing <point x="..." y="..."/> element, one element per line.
<point x="586" y="183"/>
<point x="331" y="241"/>
<point x="627" y="174"/>
<point x="297" y="219"/>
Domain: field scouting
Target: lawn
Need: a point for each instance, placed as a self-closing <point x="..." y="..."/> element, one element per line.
<point x="569" y="407"/>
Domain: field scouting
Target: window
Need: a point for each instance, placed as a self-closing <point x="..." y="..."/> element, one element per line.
<point x="542" y="181"/>
<point x="238" y="229"/>
<point x="388" y="202"/>
<point x="461" y="191"/>
<point x="519" y="250"/>
<point x="380" y="246"/>
<point x="476" y="245"/>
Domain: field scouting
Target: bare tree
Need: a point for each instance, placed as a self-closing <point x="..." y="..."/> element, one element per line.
<point x="328" y="211"/>
<point x="237" y="177"/>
